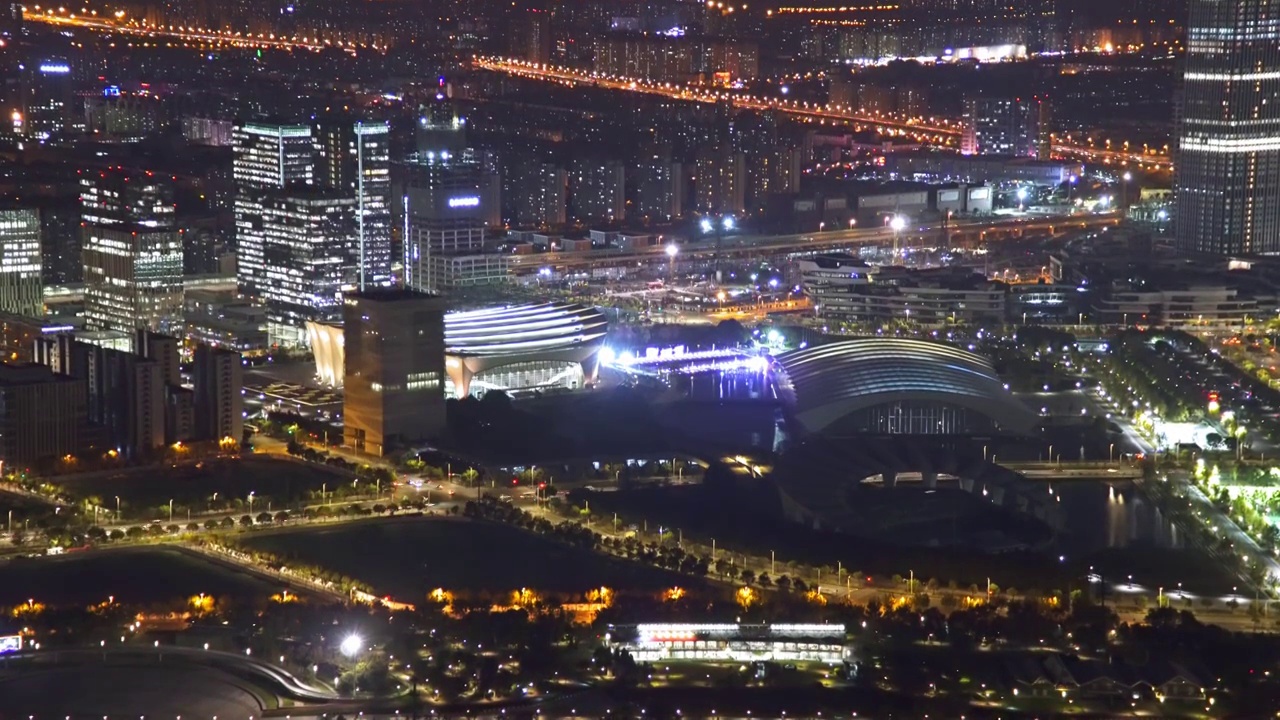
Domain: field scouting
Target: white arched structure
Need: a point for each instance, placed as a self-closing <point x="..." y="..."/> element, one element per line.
<point x="329" y="347"/>
<point x="898" y="386"/>
<point x="523" y="347"/>
<point x="512" y="347"/>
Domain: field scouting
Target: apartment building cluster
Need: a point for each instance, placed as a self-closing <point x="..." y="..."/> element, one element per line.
<point x="77" y="398"/>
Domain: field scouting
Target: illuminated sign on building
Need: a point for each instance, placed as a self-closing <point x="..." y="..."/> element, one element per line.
<point x="10" y="643"/>
<point x="55" y="69"/>
<point x="464" y="202"/>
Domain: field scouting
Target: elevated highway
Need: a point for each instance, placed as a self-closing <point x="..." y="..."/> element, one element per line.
<point x="933" y="234"/>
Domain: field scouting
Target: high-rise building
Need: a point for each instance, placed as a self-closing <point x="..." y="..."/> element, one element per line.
<point x="125" y="392"/>
<point x="218" y="405"/>
<point x="42" y="414"/>
<point x="164" y="350"/>
<point x="393" y="383"/>
<point x="269" y="157"/>
<point x="129" y="245"/>
<point x="133" y="278"/>
<point x="49" y="101"/>
<point x="772" y="171"/>
<point x="656" y="187"/>
<point x="355" y="159"/>
<point x="535" y="194"/>
<point x="534" y="40"/>
<point x="118" y="196"/>
<point x="308" y="259"/>
<point x="1006" y="126"/>
<point x="720" y="181"/>
<point x="447" y="203"/>
<point x="21" y="287"/>
<point x="61" y="240"/>
<point x="651" y="57"/>
<point x="597" y="189"/>
<point x="1227" y="166"/>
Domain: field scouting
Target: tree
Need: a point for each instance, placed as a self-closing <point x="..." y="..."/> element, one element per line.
<point x="18" y="538"/>
<point x="246" y="521"/>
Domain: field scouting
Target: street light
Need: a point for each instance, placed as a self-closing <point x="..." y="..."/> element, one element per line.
<point x="351" y="645"/>
<point x="897" y="224"/>
<point x="1022" y="198"/>
<point x="726" y="223"/>
<point x="250" y="502"/>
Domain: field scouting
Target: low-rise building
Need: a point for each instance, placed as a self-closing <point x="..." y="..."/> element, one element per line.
<point x="779" y="642"/>
<point x="230" y="324"/>
<point x="845" y="288"/>
<point x="452" y="271"/>
<point x="1203" y="306"/>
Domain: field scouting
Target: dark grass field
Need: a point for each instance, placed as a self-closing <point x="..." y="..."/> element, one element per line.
<point x="408" y="558"/>
<point x="146" y="489"/>
<point x="132" y="575"/>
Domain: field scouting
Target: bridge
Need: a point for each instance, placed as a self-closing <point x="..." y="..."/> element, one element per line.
<point x="1084" y="471"/>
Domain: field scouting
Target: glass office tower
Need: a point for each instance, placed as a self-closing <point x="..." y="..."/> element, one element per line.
<point x="1227" y="183"/>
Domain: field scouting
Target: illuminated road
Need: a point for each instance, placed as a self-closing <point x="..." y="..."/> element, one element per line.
<point x="937" y="132"/>
<point x="937" y="135"/>
<point x="807" y="242"/>
<point x="205" y="36"/>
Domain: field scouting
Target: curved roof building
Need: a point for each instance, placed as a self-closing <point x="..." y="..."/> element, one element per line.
<point x="510" y="347"/>
<point x="898" y="386"/>
<point x="520" y="347"/>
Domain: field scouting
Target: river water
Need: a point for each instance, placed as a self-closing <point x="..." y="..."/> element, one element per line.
<point x="1100" y="514"/>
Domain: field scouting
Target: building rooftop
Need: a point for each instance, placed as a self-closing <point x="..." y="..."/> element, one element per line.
<point x="28" y="374"/>
<point x="391" y="295"/>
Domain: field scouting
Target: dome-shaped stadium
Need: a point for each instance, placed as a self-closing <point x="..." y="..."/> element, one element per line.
<point x="515" y="347"/>
<point x="509" y="347"/>
<point x="897" y="386"/>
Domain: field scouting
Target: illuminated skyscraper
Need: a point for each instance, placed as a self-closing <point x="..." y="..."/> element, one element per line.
<point x="268" y="158"/>
<point x="21" y="289"/>
<point x="132" y="278"/>
<point x="50" y="102"/>
<point x="1006" y="126"/>
<point x="308" y="248"/>
<point x="1227" y="183"/>
<point x="355" y="159"/>
<point x="131" y="249"/>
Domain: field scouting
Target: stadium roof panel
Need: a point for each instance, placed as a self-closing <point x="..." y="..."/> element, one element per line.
<point x="516" y="329"/>
<point x="826" y="382"/>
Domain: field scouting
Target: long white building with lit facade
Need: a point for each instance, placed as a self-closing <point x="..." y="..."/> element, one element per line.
<point x="668" y="642"/>
<point x="513" y="348"/>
